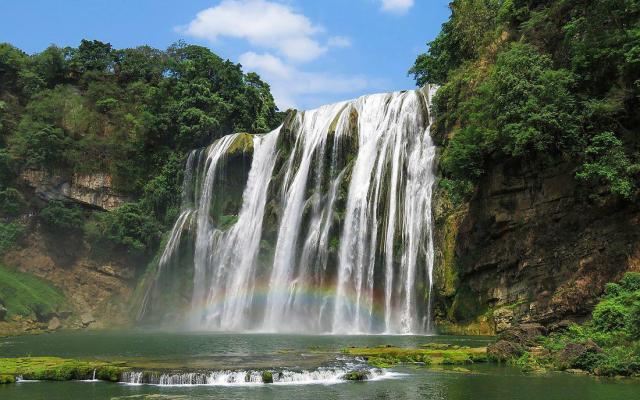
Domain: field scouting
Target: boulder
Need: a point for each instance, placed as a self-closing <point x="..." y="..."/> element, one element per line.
<point x="54" y="324"/>
<point x="86" y="318"/>
<point x="572" y="351"/>
<point x="355" y="376"/>
<point x="524" y="334"/>
<point x="503" y="350"/>
<point x="3" y="312"/>
<point x="576" y="371"/>
<point x="560" y="326"/>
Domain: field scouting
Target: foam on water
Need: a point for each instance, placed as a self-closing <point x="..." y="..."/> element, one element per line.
<point x="322" y="375"/>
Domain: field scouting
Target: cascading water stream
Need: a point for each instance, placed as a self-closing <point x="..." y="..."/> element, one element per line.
<point x="334" y="233"/>
<point x="233" y="259"/>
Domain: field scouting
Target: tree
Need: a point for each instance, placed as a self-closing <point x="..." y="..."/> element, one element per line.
<point x="91" y="55"/>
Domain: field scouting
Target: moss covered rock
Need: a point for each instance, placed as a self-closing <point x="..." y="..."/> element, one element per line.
<point x="386" y="357"/>
<point x="267" y="377"/>
<point x="58" y="369"/>
<point x="355" y="376"/>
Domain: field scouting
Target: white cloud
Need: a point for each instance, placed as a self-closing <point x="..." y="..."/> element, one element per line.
<point x="280" y="39"/>
<point x="397" y="6"/>
<point x="339" y="41"/>
<point x="289" y="85"/>
<point x="267" y="64"/>
<point x="262" y="23"/>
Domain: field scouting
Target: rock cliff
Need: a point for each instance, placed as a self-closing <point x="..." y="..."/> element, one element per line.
<point x="531" y="246"/>
<point x="92" y="190"/>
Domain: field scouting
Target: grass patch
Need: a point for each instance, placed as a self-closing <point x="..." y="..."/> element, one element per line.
<point x="24" y="294"/>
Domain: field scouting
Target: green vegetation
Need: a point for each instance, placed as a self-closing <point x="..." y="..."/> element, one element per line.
<point x="57" y="369"/>
<point x="542" y="81"/>
<point x="608" y="344"/>
<point x="10" y="233"/>
<point x="11" y="202"/>
<point x="130" y="226"/>
<point x="131" y="114"/>
<point x="59" y="216"/>
<point x="267" y="377"/>
<point x="434" y="354"/>
<point x="23" y="294"/>
<point x="355" y="376"/>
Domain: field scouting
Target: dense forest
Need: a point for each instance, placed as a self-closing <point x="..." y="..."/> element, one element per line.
<point x="538" y="79"/>
<point x="549" y="83"/>
<point x="132" y="114"/>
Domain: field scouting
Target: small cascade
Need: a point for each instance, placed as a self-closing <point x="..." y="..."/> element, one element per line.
<point x="334" y="230"/>
<point x="322" y="375"/>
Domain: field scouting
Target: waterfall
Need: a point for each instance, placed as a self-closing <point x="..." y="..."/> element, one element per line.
<point x="334" y="230"/>
<point x="232" y="259"/>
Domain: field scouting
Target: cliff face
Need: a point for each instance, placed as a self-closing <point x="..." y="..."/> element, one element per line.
<point x="531" y="245"/>
<point x="97" y="283"/>
<point x="97" y="286"/>
<point x="93" y="190"/>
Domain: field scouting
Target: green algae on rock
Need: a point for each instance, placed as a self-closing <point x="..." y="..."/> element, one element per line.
<point x="58" y="369"/>
<point x="388" y="356"/>
<point x="267" y="377"/>
<point x="355" y="376"/>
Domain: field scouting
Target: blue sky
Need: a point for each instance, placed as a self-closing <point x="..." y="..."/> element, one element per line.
<point x="312" y="52"/>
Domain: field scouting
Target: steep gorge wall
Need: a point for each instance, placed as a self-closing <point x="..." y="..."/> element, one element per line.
<point x="96" y="282"/>
<point x="531" y="245"/>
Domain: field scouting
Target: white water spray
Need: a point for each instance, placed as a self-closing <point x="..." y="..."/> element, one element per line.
<point x="353" y="248"/>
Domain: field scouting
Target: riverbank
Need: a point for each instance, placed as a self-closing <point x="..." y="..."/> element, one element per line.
<point x="607" y="344"/>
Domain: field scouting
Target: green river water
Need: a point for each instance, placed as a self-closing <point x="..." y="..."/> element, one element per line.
<point x="182" y="351"/>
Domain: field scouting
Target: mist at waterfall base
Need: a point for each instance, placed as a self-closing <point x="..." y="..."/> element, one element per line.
<point x="333" y="233"/>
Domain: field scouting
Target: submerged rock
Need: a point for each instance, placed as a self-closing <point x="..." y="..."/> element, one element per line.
<point x="576" y="371"/>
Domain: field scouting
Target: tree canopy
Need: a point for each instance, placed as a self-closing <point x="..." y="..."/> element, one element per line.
<point x="538" y="79"/>
<point x="131" y="113"/>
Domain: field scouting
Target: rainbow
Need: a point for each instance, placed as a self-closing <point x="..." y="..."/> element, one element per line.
<point x="314" y="296"/>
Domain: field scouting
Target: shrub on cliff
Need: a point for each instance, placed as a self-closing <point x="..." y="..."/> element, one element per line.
<point x="609" y="316"/>
<point x="130" y="226"/>
<point x="57" y="215"/>
<point x="10" y="233"/>
<point x="11" y="202"/>
<point x="523" y="108"/>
